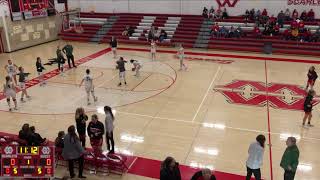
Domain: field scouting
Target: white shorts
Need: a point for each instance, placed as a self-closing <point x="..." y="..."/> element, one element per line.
<point x="114" y="48"/>
<point x="11" y="74"/>
<point x="11" y="94"/>
<point x="122" y="74"/>
<point x="22" y="85"/>
<point x="89" y="89"/>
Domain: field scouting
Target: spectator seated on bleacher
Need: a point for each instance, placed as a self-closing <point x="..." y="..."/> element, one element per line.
<point x="287" y="15"/>
<point x="231" y="32"/>
<point x="223" y="32"/>
<point x="268" y="29"/>
<point x="238" y="33"/>
<point x="225" y="14"/>
<point x="316" y="36"/>
<point x="257" y="32"/>
<point x="294" y="24"/>
<point x="128" y="31"/>
<point x="303" y="15"/>
<point x="215" y="30"/>
<point x="287" y="34"/>
<point x="276" y="29"/>
<point x="281" y="18"/>
<point x="295" y="14"/>
<point x="301" y="26"/>
<point x="310" y="15"/>
<point x="36" y="139"/>
<point x="294" y="34"/>
<point x="205" y="12"/>
<point x="272" y="20"/>
<point x="59" y="142"/>
<point x="257" y="18"/>
<point x="306" y="36"/>
<point x="163" y="35"/>
<point x="204" y="174"/>
<point x="24" y="133"/>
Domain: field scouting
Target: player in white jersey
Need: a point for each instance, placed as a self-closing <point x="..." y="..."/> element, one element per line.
<point x="136" y="67"/>
<point x="9" y="90"/>
<point x="153" y="50"/>
<point x="88" y="84"/>
<point x="180" y="54"/>
<point x="12" y="70"/>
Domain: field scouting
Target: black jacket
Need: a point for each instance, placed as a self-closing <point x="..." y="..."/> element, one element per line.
<point x="81" y="127"/>
<point x="167" y="174"/>
<point x="198" y="175"/>
<point x="95" y="130"/>
<point x="312" y="75"/>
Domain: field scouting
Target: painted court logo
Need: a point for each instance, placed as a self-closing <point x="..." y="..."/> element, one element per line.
<point x="254" y="93"/>
<point x="230" y="3"/>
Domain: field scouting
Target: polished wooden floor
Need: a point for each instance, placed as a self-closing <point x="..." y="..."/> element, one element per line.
<point x="184" y="114"/>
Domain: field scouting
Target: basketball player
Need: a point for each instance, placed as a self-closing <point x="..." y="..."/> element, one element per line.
<point x="11" y="69"/>
<point x="153" y="50"/>
<point x="61" y="60"/>
<point x="307" y="107"/>
<point x="88" y="83"/>
<point x="312" y="77"/>
<point x="22" y="83"/>
<point x="122" y="70"/>
<point x="9" y="90"/>
<point x="114" y="45"/>
<point x="181" y="58"/>
<point x="136" y="67"/>
<point x="40" y="68"/>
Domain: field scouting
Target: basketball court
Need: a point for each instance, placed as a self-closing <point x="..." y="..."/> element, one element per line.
<point x="204" y="117"/>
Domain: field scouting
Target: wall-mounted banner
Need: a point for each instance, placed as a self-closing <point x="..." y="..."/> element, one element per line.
<point x="229" y="3"/>
<point x="304" y="2"/>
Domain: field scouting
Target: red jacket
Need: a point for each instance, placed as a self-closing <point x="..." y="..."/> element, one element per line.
<point x="264" y="13"/>
<point x="256" y="30"/>
<point x="301" y="25"/>
<point x="276" y="28"/>
<point x="215" y="28"/>
<point x="294" y="24"/>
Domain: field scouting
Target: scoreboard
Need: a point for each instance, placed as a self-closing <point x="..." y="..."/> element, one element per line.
<point x="27" y="161"/>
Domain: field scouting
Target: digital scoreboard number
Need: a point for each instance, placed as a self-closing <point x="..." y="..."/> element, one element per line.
<point x="27" y="161"/>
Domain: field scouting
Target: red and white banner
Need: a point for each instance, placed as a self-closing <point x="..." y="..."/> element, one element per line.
<point x="304" y="2"/>
<point x="35" y="14"/>
<point x="229" y="3"/>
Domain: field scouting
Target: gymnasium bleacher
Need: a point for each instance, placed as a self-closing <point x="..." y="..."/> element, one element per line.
<point x="191" y="30"/>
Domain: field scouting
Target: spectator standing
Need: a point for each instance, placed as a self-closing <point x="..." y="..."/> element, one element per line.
<point x="310" y="15"/>
<point x="307" y="107"/>
<point x="290" y="159"/>
<point x="59" y="141"/>
<point x="281" y="18"/>
<point x="73" y="151"/>
<point x="255" y="159"/>
<point x="68" y="51"/>
<point x="170" y="170"/>
<point x="81" y="119"/>
<point x="204" y="174"/>
<point x="95" y="131"/>
<point x="109" y="128"/>
<point x="211" y="12"/>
